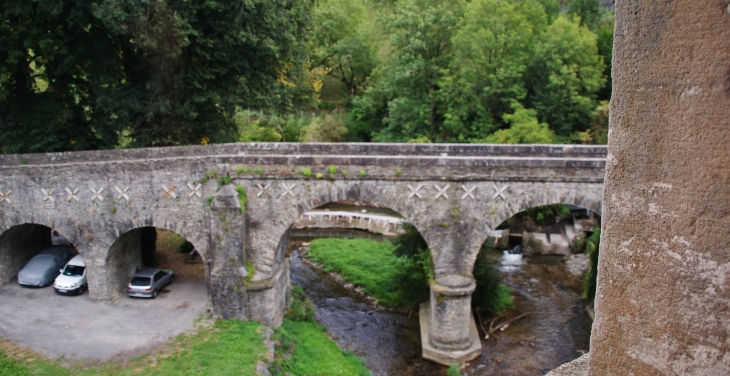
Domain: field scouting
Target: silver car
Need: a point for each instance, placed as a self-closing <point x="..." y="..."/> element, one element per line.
<point x="42" y="269"/>
<point x="148" y="283"/>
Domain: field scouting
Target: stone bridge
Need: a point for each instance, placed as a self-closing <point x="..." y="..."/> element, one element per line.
<point x="454" y="194"/>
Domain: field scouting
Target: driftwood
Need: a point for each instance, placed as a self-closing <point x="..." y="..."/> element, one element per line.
<point x="502" y="326"/>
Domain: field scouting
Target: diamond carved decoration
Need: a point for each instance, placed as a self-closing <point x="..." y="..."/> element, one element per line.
<point x="288" y="190"/>
<point x="72" y="194"/>
<point x="263" y="190"/>
<point x="469" y="192"/>
<point x="122" y="193"/>
<point x="442" y="191"/>
<point x="5" y="197"/>
<point x="499" y="192"/>
<point x="169" y="191"/>
<point x="194" y="189"/>
<point x="414" y="191"/>
<point x="97" y="194"/>
<point x="48" y="195"/>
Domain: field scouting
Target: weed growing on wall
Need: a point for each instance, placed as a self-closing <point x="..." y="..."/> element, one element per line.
<point x="592" y="249"/>
<point x="242" y="199"/>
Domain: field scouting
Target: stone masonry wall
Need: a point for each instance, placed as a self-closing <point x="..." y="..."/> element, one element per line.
<point x="664" y="268"/>
<point x="454" y="194"/>
<point x="17" y="246"/>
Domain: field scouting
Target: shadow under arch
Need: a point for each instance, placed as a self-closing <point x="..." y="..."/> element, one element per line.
<point x="135" y="249"/>
<point x="21" y="242"/>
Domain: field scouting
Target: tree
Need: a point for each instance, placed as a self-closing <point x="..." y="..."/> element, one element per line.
<point x="524" y="129"/>
<point x="564" y="77"/>
<point x="47" y="96"/>
<point x="492" y="50"/>
<point x="589" y="12"/>
<point x="408" y="82"/>
<point x="164" y="72"/>
<point x="343" y="44"/>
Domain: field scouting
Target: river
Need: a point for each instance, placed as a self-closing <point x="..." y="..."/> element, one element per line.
<point x="556" y="331"/>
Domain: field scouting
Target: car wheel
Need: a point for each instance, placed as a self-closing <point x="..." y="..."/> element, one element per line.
<point x="154" y="294"/>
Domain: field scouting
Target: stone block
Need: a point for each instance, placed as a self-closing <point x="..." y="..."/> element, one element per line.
<point x="447" y="357"/>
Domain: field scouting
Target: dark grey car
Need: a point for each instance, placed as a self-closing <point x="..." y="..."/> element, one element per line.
<point x="148" y="283"/>
<point x="42" y="269"/>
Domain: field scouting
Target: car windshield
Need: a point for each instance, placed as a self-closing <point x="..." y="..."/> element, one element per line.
<point x="73" y="270"/>
<point x="140" y="281"/>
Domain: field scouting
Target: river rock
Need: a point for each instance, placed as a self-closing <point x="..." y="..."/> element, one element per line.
<point x="578" y="264"/>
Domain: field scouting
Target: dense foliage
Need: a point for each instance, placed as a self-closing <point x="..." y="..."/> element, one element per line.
<point x="85" y="74"/>
<point x="90" y="74"/>
<point x="490" y="295"/>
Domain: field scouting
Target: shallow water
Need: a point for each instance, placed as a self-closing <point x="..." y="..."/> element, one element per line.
<point x="390" y="342"/>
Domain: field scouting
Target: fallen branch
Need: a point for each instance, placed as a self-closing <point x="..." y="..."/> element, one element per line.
<point x="501" y="327"/>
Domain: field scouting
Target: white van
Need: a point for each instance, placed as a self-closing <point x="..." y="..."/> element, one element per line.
<point x="72" y="280"/>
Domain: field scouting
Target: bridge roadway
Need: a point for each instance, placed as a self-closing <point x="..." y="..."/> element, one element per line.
<point x="454" y="194"/>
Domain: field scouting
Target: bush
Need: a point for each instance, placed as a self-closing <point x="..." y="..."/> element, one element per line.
<point x="326" y="128"/>
<point x="592" y="249"/>
<point x="416" y="270"/>
<point x="301" y="308"/>
<point x="490" y="295"/>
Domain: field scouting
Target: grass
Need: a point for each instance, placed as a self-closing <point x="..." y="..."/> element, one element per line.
<point x="364" y="263"/>
<point x="314" y="352"/>
<point x="226" y="348"/>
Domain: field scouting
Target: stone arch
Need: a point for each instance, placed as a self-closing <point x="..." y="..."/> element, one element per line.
<point x="116" y="267"/>
<point x="517" y="206"/>
<point x="361" y="192"/>
<point x="22" y="237"/>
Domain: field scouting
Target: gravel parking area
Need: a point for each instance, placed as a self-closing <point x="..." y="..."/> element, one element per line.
<point x="77" y="328"/>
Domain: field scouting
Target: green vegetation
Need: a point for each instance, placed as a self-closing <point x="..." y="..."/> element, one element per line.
<point x="361" y="173"/>
<point x="307" y="172"/>
<point x="224" y="181"/>
<point x="319" y="175"/>
<point x="226" y="348"/>
<point x="146" y="73"/>
<point x="592" y="249"/>
<point x="332" y="170"/>
<point x="209" y="175"/>
<point x="304" y="348"/>
<point x="538" y="215"/>
<point x="242" y="170"/>
<point x="344" y="172"/>
<point x="158" y="73"/>
<point x="250" y="271"/>
<point x="490" y="295"/>
<point x="398" y="171"/>
<point x="258" y="170"/>
<point x="242" y="199"/>
<point x="364" y="263"/>
<point x="210" y="199"/>
<point x="416" y="269"/>
<point x="453" y="370"/>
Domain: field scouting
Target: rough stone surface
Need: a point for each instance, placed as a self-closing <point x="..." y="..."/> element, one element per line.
<point x="455" y="195"/>
<point x="664" y="267"/>
<point x="20" y="244"/>
<point x="578" y="367"/>
<point x="578" y="264"/>
<point x="450" y="356"/>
